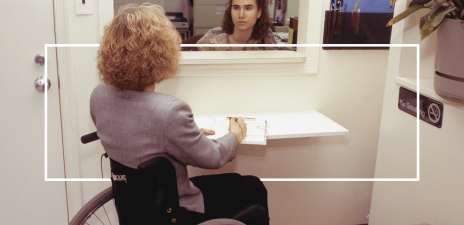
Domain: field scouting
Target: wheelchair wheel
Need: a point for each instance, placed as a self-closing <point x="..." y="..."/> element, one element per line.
<point x="99" y="210"/>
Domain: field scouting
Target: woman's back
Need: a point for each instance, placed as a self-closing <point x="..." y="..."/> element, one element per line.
<point x="135" y="126"/>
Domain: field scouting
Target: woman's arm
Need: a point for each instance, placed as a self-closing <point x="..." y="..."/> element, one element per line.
<point x="188" y="145"/>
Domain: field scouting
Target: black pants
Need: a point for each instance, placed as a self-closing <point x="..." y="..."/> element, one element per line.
<point x="226" y="194"/>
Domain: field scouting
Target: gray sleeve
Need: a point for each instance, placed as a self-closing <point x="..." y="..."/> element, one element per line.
<point x="188" y="145"/>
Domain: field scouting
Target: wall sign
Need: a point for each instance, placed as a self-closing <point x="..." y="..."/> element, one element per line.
<point x="431" y="111"/>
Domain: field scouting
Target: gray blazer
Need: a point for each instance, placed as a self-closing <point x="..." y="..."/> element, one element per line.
<point x="135" y="126"/>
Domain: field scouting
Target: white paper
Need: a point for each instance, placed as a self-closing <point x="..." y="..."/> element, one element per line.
<point x="256" y="129"/>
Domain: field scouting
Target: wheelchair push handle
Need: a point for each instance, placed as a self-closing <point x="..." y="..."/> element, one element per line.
<point x="89" y="138"/>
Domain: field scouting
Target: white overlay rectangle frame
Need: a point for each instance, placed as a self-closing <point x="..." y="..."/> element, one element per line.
<point x="257" y="45"/>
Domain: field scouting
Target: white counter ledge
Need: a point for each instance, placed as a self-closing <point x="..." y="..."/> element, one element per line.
<point x="288" y="125"/>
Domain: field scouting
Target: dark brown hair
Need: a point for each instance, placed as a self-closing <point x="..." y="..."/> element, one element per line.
<point x="262" y="25"/>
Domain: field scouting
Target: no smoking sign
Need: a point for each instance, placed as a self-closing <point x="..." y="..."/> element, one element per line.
<point x="430" y="110"/>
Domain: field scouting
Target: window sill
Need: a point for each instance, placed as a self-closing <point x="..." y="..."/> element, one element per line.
<point x="241" y="57"/>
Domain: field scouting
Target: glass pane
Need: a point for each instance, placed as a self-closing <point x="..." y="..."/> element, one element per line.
<point x="194" y="18"/>
<point x="371" y="6"/>
<point x="367" y="25"/>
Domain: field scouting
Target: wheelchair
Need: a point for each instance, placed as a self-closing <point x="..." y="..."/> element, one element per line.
<point x="148" y="195"/>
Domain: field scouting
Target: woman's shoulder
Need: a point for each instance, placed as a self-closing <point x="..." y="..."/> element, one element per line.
<point x="171" y="99"/>
<point x="161" y="100"/>
<point x="170" y="103"/>
<point x="106" y="91"/>
<point x="214" y="36"/>
<point x="162" y="104"/>
<point x="100" y="90"/>
<point x="269" y="38"/>
<point x="216" y="30"/>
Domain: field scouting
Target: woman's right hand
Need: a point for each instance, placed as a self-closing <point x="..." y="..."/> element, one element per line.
<point x="238" y="126"/>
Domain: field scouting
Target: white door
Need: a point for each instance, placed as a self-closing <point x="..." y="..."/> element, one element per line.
<point x="26" y="198"/>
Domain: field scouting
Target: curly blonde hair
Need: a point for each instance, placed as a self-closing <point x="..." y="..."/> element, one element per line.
<point x="139" y="48"/>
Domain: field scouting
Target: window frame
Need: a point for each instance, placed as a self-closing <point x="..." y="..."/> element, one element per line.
<point x="304" y="60"/>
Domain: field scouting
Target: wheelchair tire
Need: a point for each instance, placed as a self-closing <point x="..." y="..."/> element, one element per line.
<point x="92" y="206"/>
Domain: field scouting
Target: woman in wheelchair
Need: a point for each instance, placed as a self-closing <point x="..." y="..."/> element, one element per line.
<point x="140" y="48"/>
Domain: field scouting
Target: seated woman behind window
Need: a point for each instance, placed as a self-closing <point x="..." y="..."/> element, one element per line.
<point x="245" y="22"/>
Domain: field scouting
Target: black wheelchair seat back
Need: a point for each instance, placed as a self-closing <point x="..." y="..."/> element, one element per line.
<point x="140" y="194"/>
<point x="148" y="194"/>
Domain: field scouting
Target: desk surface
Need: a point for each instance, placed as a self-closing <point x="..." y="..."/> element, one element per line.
<point x="294" y="125"/>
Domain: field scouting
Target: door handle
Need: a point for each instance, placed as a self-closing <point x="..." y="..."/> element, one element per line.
<point x="40" y="84"/>
<point x="39" y="59"/>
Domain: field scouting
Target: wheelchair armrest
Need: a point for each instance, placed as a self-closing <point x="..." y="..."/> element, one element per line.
<point x="89" y="138"/>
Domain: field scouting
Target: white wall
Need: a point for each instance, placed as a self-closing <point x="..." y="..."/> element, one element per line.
<point x="348" y="89"/>
<point x="437" y="198"/>
<point x="292" y="8"/>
